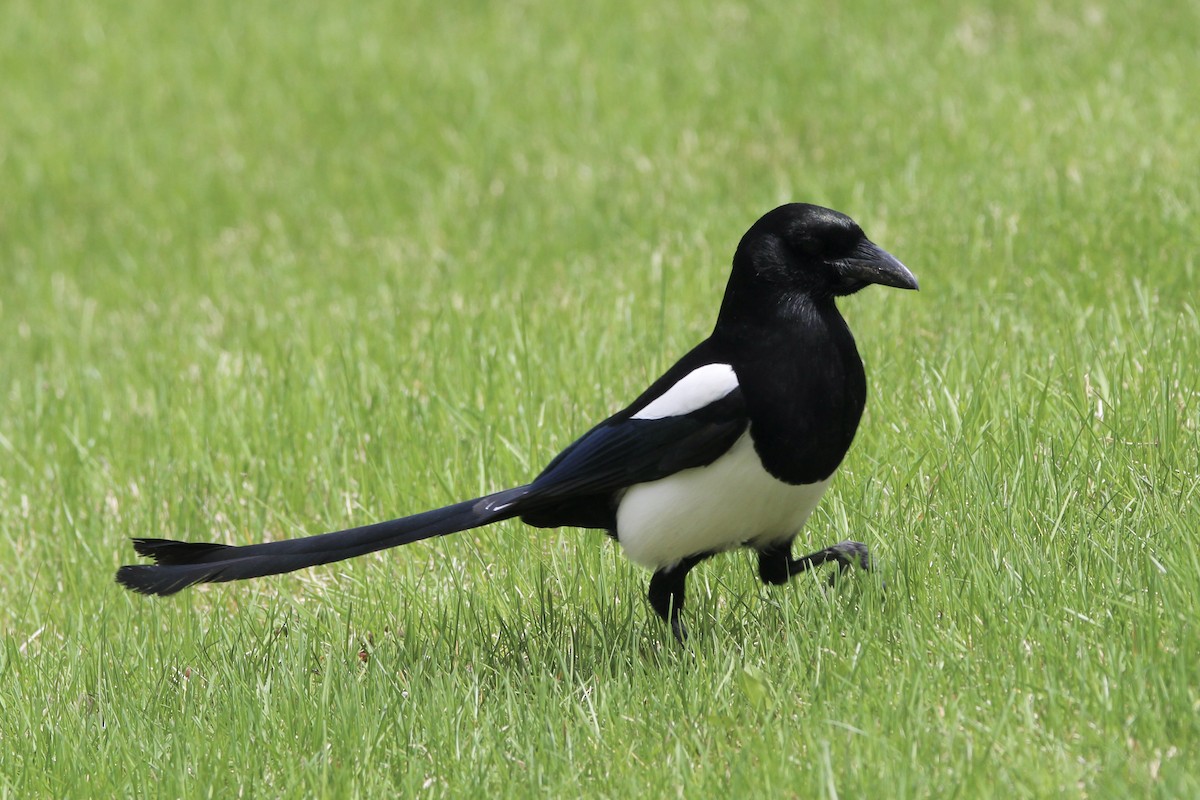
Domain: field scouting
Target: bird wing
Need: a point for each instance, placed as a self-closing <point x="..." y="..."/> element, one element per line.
<point x="688" y="419"/>
<point x="617" y="455"/>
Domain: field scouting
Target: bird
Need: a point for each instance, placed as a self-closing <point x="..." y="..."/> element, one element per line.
<point x="732" y="447"/>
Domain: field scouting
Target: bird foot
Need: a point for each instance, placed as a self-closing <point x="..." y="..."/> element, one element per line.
<point x="848" y="554"/>
<point x="680" y="630"/>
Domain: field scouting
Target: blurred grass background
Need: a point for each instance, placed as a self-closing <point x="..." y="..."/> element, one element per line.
<point x="277" y="268"/>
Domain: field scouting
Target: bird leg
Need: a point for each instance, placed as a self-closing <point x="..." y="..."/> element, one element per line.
<point x="776" y="565"/>
<point x="667" y="593"/>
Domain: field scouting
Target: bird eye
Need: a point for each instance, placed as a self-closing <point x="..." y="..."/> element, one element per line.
<point x="808" y="246"/>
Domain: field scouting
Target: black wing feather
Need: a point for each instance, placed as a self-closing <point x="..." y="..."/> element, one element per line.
<point x="621" y="452"/>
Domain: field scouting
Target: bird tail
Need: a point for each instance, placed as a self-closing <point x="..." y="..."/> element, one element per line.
<point x="182" y="564"/>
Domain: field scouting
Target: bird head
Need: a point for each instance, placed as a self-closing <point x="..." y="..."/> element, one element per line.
<point x="809" y="250"/>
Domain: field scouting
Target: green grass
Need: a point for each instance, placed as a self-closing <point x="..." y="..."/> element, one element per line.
<point x="277" y="268"/>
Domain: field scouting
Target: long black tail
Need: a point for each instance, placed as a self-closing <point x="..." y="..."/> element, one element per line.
<point x="181" y="564"/>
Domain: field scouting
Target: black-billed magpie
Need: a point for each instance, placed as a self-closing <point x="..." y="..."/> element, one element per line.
<point x="732" y="447"/>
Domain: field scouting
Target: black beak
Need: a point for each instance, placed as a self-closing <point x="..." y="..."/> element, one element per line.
<point x="872" y="264"/>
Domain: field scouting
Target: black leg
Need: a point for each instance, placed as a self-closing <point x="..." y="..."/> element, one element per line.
<point x="776" y="565"/>
<point x="666" y="594"/>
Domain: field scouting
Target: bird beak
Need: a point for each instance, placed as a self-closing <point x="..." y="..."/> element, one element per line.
<point x="872" y="264"/>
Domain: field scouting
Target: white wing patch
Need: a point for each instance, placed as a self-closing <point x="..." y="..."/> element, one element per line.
<point x="698" y="388"/>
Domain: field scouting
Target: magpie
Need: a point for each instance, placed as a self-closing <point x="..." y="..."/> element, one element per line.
<point x="732" y="447"/>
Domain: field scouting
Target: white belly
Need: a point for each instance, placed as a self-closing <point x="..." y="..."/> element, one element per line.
<point x="731" y="502"/>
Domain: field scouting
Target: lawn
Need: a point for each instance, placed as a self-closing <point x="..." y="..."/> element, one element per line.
<point x="269" y="269"/>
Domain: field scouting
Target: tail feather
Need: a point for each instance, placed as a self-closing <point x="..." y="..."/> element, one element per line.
<point x="169" y="551"/>
<point x="182" y="564"/>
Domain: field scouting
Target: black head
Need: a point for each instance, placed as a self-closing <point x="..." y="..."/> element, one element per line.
<point x="801" y="249"/>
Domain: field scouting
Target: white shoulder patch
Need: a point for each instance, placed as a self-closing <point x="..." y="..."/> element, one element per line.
<point x="698" y="388"/>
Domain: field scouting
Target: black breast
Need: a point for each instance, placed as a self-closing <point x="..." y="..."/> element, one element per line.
<point x="805" y="391"/>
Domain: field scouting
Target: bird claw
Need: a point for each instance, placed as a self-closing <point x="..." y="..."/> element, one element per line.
<point x="848" y="554"/>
